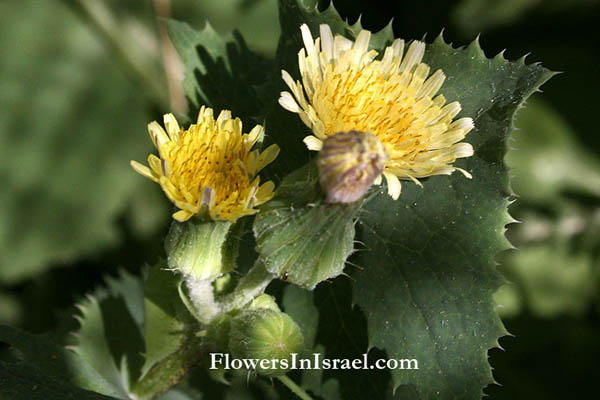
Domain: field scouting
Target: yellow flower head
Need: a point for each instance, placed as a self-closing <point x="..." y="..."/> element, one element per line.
<point x="344" y="87"/>
<point x="210" y="167"/>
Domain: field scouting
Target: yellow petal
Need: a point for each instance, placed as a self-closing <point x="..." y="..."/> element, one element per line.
<point x="264" y="193"/>
<point x="313" y="143"/>
<point x="267" y="156"/>
<point x="255" y="135"/>
<point x="172" y="127"/>
<point x="182" y="215"/>
<point x="287" y="101"/>
<point x="143" y="170"/>
<point x="156" y="165"/>
<point x="394" y="185"/>
<point x="157" y="134"/>
<point x="326" y="40"/>
<point x="465" y="173"/>
<point x="414" y="55"/>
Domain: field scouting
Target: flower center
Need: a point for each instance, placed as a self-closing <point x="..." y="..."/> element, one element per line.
<point x="365" y="100"/>
<point x="200" y="160"/>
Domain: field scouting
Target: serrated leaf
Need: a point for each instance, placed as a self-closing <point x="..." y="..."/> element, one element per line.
<point x="429" y="272"/>
<point x="220" y="71"/>
<point x="54" y="362"/>
<point x="252" y="17"/>
<point x="110" y="337"/>
<point x="167" y="320"/>
<point x="69" y="130"/>
<point x="24" y="381"/>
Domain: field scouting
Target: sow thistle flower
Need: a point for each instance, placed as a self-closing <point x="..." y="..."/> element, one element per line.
<point x="345" y="87"/>
<point x="210" y="167"/>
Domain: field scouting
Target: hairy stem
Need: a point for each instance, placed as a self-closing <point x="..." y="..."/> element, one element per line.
<point x="253" y="284"/>
<point x="297" y="390"/>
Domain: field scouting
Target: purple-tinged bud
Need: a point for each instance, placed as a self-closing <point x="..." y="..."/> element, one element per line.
<point x="349" y="163"/>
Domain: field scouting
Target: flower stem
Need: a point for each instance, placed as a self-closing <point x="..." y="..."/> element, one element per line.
<point x="253" y="284"/>
<point x="297" y="390"/>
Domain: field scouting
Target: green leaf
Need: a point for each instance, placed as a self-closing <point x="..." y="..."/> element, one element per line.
<point x="71" y="122"/>
<point x="298" y="304"/>
<point x="429" y="273"/>
<point x="167" y="321"/>
<point x="25" y="381"/>
<point x="220" y="71"/>
<point x="110" y="337"/>
<point x="254" y="19"/>
<point x="304" y="243"/>
<point x="342" y="334"/>
<point x="53" y="364"/>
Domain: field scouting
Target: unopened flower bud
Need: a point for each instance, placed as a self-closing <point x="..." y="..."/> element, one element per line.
<point x="349" y="163"/>
<point x="266" y="334"/>
<point x="264" y="301"/>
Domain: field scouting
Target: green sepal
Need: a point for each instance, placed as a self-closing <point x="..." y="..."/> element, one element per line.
<point x="201" y="249"/>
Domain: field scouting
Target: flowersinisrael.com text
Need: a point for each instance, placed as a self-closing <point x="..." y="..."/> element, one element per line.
<point x="224" y="360"/>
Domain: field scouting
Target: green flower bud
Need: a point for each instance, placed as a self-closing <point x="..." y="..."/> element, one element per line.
<point x="264" y="301"/>
<point x="349" y="163"/>
<point x="265" y="334"/>
<point x="200" y="249"/>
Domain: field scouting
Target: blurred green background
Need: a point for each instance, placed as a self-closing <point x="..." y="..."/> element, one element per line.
<point x="80" y="79"/>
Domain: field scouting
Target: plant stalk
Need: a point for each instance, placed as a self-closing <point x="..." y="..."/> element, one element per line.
<point x="253" y="284"/>
<point x="297" y="390"/>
